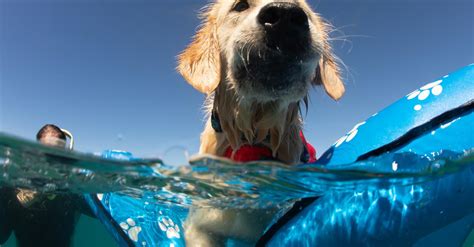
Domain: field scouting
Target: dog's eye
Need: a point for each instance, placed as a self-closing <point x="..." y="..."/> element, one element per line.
<point x="241" y="6"/>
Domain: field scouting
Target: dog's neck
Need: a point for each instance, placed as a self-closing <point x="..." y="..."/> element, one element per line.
<point x="275" y="125"/>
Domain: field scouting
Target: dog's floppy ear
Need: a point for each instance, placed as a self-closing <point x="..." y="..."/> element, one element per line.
<point x="327" y="72"/>
<point x="200" y="63"/>
<point x="328" y="75"/>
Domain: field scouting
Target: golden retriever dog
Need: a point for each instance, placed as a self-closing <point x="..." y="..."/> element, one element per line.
<point x="256" y="60"/>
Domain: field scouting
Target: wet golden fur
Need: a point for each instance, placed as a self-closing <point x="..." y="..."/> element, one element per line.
<point x="248" y="116"/>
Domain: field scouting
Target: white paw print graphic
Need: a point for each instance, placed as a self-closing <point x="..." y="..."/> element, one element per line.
<point x="350" y="135"/>
<point x="131" y="229"/>
<point x="167" y="225"/>
<point x="434" y="88"/>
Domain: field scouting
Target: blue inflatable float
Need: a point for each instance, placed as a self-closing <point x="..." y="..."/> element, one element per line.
<point x="433" y="119"/>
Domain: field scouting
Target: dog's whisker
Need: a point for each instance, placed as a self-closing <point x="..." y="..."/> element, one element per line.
<point x="244" y="63"/>
<point x="248" y="54"/>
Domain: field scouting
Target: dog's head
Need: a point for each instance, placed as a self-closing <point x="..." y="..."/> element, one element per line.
<point x="266" y="50"/>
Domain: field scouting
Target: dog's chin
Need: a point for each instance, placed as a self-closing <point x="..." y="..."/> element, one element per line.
<point x="268" y="75"/>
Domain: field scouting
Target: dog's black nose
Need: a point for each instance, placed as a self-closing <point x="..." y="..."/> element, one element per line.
<point x="282" y="14"/>
<point x="286" y="25"/>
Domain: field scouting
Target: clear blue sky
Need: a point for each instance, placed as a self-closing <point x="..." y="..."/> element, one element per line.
<point x="105" y="69"/>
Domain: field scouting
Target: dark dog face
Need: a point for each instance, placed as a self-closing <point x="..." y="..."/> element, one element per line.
<point x="266" y="50"/>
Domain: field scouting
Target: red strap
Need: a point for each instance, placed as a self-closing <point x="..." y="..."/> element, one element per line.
<point x="311" y="150"/>
<point x="249" y="153"/>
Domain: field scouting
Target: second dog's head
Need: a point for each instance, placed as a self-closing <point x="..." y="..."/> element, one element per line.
<point x="266" y="50"/>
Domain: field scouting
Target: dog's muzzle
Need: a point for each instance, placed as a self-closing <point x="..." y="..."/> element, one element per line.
<point x="285" y="26"/>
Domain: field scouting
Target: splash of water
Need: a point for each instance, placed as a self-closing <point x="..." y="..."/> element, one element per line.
<point x="207" y="179"/>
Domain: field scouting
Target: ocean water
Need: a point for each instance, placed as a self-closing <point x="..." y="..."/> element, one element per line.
<point x="220" y="183"/>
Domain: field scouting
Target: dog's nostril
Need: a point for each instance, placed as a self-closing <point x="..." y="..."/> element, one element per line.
<point x="299" y="17"/>
<point x="269" y="17"/>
